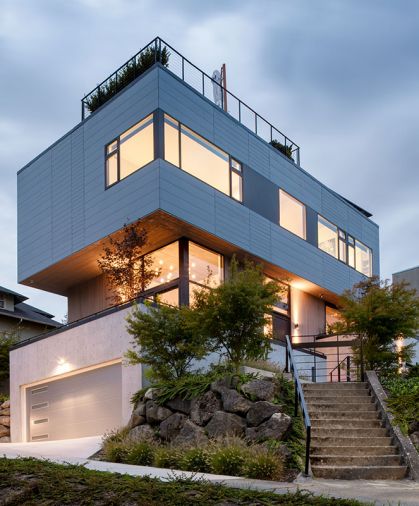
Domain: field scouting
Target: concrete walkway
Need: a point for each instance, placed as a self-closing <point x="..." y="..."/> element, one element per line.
<point x="76" y="451"/>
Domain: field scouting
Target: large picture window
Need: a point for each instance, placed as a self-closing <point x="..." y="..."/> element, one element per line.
<point x="166" y="264"/>
<point x="292" y="214"/>
<point x="199" y="157"/>
<point x="327" y="236"/>
<point x="130" y="151"/>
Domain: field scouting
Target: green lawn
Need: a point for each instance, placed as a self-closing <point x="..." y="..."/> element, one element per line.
<point x="40" y="483"/>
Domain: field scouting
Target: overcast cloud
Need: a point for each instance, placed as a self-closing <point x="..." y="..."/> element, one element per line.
<point x="341" y="78"/>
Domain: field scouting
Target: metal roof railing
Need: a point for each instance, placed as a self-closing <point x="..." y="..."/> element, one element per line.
<point x="160" y="52"/>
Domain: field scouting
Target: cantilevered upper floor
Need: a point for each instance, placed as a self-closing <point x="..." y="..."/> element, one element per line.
<point x="162" y="149"/>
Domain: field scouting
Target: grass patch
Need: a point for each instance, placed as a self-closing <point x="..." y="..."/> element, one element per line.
<point x="34" y="482"/>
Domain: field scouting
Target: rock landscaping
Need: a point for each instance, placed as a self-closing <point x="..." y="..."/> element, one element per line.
<point x="5" y="422"/>
<point x="224" y="410"/>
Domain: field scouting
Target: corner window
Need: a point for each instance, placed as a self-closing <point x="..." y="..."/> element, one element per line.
<point x="130" y="151"/>
<point x="327" y="236"/>
<point x="363" y="258"/>
<point x="292" y="214"/>
<point x="205" y="266"/>
<point x="165" y="261"/>
<point x="202" y="159"/>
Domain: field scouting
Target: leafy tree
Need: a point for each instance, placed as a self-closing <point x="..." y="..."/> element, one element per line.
<point x="233" y="315"/>
<point x="166" y="339"/>
<point x="128" y="271"/>
<point x="383" y="313"/>
<point x="7" y="340"/>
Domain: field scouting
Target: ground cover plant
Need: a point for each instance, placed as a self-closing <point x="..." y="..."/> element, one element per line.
<point x="31" y="482"/>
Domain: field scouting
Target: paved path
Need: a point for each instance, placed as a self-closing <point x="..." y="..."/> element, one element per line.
<point x="76" y="451"/>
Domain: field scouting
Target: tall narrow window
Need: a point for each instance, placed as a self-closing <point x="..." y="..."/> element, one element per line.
<point x="351" y="251"/>
<point x="199" y="157"/>
<point x="363" y="258"/>
<point x="342" y="246"/>
<point x="130" y="151"/>
<point x="292" y="214"/>
<point x="327" y="236"/>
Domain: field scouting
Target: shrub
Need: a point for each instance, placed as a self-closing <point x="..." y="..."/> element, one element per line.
<point x="264" y="465"/>
<point x="167" y="340"/>
<point x="116" y="451"/>
<point x="197" y="460"/>
<point x="403" y="400"/>
<point x="233" y="315"/>
<point x="3" y="398"/>
<point x="127" y="74"/>
<point x="228" y="460"/>
<point x="141" y="454"/>
<point x="168" y="457"/>
<point x="285" y="150"/>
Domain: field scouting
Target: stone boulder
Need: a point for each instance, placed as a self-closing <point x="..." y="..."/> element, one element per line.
<point x="260" y="389"/>
<point x="155" y="413"/>
<point x="151" y="394"/>
<point x="224" y="383"/>
<point x="190" y="435"/>
<point x="5" y="405"/>
<point x="178" y="404"/>
<point x="203" y="407"/>
<point x="5" y="412"/>
<point x="225" y="424"/>
<point x="136" y="420"/>
<point x="5" y="420"/>
<point x="4" y="431"/>
<point x="171" y="427"/>
<point x="233" y="402"/>
<point x="261" y="411"/>
<point x="274" y="428"/>
<point x="5" y="439"/>
<point x="142" y="433"/>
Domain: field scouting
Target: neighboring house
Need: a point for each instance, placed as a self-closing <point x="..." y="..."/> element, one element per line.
<point x="206" y="184"/>
<point x="410" y="276"/>
<point x="21" y="320"/>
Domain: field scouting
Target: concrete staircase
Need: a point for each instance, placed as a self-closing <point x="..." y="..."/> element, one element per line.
<point x="347" y="438"/>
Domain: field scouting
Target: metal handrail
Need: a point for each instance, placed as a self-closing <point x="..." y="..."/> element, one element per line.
<point x="348" y="367"/>
<point x="299" y="400"/>
<point x="259" y="120"/>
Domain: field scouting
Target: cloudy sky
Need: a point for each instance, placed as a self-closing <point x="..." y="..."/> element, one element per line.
<point x="340" y="77"/>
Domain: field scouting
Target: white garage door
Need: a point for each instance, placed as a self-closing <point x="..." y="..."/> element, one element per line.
<point x="86" y="404"/>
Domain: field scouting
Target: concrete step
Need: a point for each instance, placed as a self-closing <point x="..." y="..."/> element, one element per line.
<point x="327" y="441"/>
<point x="337" y="415"/>
<point x="353" y="450"/>
<point x="344" y="423"/>
<point x="324" y="396"/>
<point x="352" y="385"/>
<point x="360" y="473"/>
<point x="355" y="460"/>
<point x="363" y="432"/>
<point x="316" y="405"/>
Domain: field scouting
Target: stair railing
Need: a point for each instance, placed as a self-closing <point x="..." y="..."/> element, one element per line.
<point x="347" y="362"/>
<point x="299" y="400"/>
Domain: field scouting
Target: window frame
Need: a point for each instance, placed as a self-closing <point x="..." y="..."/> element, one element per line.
<point x="342" y="243"/>
<point x="369" y="251"/>
<point x="231" y="159"/>
<point x="319" y="218"/>
<point x="117" y="151"/>
<point x="304" y="237"/>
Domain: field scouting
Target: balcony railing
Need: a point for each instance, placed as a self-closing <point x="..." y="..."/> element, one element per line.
<point x="160" y="52"/>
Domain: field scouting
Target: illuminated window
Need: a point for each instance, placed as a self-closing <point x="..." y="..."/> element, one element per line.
<point x="199" y="157"/>
<point x="205" y="266"/>
<point x="166" y="264"/>
<point x="292" y="214"/>
<point x="130" y="151"/>
<point x="282" y="303"/>
<point x="342" y="246"/>
<point x="351" y="251"/>
<point x="170" y="297"/>
<point x="327" y="237"/>
<point x="333" y="316"/>
<point x="363" y="258"/>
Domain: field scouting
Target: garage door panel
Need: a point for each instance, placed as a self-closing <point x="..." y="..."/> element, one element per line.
<point x="81" y="405"/>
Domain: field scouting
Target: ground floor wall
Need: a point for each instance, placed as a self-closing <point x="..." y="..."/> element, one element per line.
<point x="94" y="344"/>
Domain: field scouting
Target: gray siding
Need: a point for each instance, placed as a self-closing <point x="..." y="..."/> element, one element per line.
<point x="63" y="206"/>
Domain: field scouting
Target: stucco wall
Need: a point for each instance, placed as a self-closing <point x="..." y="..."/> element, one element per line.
<point x="94" y="343"/>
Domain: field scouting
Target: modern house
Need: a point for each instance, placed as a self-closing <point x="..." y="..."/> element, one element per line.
<point x="177" y="154"/>
<point x="411" y="277"/>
